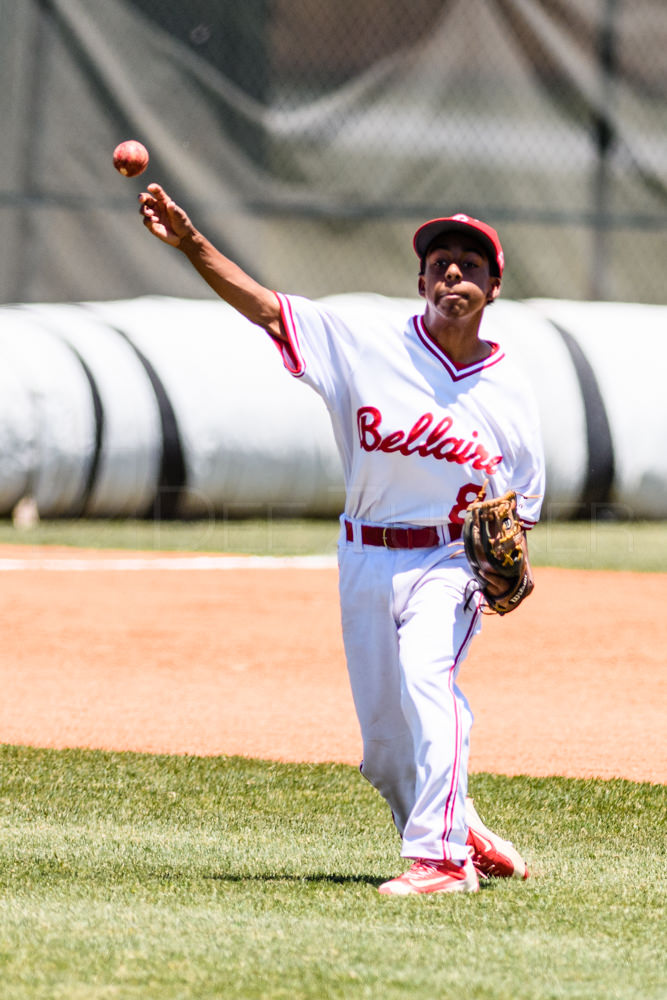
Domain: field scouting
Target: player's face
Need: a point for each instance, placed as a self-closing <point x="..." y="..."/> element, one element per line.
<point x="456" y="282"/>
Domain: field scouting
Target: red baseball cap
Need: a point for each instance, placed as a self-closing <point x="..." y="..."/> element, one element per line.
<point x="484" y="234"/>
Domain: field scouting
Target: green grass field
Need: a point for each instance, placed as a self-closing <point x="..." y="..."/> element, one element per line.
<point x="134" y="876"/>
<point x="632" y="545"/>
<point x="181" y="878"/>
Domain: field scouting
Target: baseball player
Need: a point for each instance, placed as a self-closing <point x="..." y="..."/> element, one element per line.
<point x="427" y="416"/>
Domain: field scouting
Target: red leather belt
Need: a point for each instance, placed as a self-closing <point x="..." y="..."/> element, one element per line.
<point x="390" y="537"/>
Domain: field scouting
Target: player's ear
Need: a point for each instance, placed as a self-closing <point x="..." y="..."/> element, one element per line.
<point x="494" y="290"/>
<point x="421" y="285"/>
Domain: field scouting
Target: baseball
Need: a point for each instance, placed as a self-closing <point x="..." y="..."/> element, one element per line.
<point x="130" y="158"/>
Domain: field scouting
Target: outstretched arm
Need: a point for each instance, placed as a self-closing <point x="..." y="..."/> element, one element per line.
<point x="168" y="222"/>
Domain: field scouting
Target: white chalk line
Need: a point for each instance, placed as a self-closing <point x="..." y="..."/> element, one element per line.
<point x="197" y="563"/>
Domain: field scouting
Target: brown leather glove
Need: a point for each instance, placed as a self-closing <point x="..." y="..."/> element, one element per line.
<point x="495" y="546"/>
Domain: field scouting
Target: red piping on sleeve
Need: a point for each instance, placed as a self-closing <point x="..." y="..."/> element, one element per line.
<point x="289" y="349"/>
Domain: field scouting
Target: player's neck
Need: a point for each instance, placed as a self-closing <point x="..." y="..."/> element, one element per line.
<point x="460" y="343"/>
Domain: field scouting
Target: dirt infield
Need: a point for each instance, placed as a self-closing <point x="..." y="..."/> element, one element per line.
<point x="165" y="654"/>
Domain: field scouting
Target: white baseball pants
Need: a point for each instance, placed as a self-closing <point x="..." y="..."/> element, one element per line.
<point x="406" y="633"/>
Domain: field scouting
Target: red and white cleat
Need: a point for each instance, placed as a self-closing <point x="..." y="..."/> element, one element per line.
<point x="428" y="875"/>
<point x="492" y="856"/>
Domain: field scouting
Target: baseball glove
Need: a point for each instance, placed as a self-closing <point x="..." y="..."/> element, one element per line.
<point x="495" y="546"/>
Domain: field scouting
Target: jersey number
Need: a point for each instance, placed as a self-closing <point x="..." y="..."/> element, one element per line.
<point x="466" y="495"/>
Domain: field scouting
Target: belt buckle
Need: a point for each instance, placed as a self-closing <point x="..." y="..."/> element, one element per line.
<point x="388" y="537"/>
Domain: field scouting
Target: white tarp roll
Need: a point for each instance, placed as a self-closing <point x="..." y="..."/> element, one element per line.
<point x="626" y="345"/>
<point x="18" y="436"/>
<point x="184" y="400"/>
<point x="253" y="439"/>
<point x="130" y="445"/>
<point x="62" y="412"/>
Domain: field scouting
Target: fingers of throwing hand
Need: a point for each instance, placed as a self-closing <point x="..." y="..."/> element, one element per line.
<point x="153" y="218"/>
<point x="154" y="198"/>
<point x="162" y="216"/>
<point x="147" y="204"/>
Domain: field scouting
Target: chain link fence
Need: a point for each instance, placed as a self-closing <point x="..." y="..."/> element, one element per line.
<point x="310" y="139"/>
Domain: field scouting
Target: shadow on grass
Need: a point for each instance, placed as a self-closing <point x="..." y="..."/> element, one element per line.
<point x="316" y="878"/>
<point x="485" y="885"/>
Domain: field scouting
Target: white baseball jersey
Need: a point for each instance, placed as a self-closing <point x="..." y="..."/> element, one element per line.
<point x="418" y="437"/>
